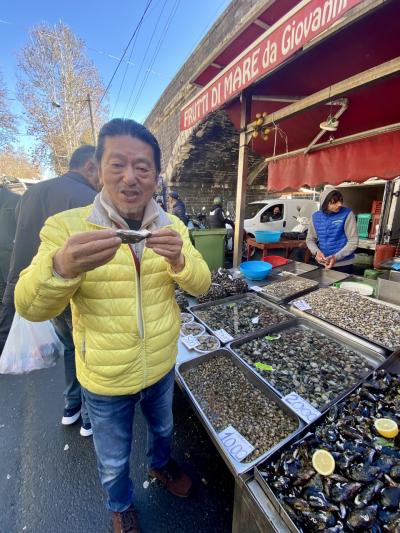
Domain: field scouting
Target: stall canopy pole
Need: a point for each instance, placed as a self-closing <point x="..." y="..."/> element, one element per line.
<point x="245" y="110"/>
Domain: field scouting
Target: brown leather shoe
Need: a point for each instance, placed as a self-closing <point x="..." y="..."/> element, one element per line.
<point x="126" y="522"/>
<point x="173" y="478"/>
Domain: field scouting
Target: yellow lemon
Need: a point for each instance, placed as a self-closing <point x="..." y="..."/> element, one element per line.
<point x="386" y="427"/>
<point x="323" y="462"/>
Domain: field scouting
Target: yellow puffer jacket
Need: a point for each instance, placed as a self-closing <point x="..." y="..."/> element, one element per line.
<point x="113" y="355"/>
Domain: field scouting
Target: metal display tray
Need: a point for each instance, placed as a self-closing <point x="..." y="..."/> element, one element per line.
<point x="385" y="350"/>
<point x="290" y="297"/>
<point x="325" y="277"/>
<point x="392" y="364"/>
<point x="237" y="468"/>
<point x="230" y="299"/>
<point x="373" y="357"/>
<point x="296" y="267"/>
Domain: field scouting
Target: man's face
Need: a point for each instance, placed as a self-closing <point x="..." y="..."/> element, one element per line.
<point x="277" y="211"/>
<point x="129" y="174"/>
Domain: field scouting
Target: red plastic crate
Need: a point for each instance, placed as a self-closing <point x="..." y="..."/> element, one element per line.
<point x="376" y="207"/>
<point x="375" y="221"/>
<point x="275" y="260"/>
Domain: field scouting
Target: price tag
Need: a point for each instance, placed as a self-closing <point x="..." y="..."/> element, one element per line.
<point x="190" y="341"/>
<point x="255" y="320"/>
<point x="302" y="305"/>
<point x="256" y="288"/>
<point x="301" y="407"/>
<point x="223" y="336"/>
<point x="236" y="445"/>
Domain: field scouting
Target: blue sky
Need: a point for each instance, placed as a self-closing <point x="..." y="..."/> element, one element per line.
<point x="106" y="29"/>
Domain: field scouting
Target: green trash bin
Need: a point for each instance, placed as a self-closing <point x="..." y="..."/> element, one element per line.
<point x="211" y="244"/>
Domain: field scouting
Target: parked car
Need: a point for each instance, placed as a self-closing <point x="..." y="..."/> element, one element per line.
<point x="262" y="214"/>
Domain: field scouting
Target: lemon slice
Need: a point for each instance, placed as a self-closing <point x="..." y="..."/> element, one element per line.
<point x="386" y="427"/>
<point x="323" y="462"/>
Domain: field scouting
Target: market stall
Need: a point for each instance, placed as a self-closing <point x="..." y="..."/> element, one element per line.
<point x="275" y="378"/>
<point x="316" y="96"/>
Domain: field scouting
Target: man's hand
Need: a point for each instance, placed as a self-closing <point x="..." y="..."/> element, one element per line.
<point x="320" y="257"/>
<point x="330" y="262"/>
<point x="168" y="243"/>
<point x="85" y="251"/>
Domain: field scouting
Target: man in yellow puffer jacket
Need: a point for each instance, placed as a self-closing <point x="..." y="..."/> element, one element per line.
<point x="125" y="318"/>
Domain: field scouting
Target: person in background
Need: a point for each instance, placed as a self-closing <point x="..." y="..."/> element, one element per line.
<point x="276" y="213"/>
<point x="332" y="236"/>
<point x="177" y="207"/>
<point x="76" y="188"/>
<point x="8" y="203"/>
<point x="126" y="319"/>
<point x="160" y="201"/>
<point x="217" y="217"/>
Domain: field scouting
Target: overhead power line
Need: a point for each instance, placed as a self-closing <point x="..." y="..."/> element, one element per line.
<point x="144" y="57"/>
<point x="124" y="52"/>
<point x="155" y="54"/>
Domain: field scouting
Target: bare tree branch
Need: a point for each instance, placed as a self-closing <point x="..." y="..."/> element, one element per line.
<point x="54" y="79"/>
<point x="8" y="127"/>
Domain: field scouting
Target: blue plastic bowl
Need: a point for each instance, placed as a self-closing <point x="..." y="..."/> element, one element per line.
<point x="255" y="269"/>
<point x="264" y="236"/>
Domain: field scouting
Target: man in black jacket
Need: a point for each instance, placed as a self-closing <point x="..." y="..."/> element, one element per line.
<point x="177" y="207"/>
<point x="8" y="203"/>
<point x="76" y="188"/>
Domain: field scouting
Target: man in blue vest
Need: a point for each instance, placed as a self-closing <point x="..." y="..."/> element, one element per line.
<point x="332" y="236"/>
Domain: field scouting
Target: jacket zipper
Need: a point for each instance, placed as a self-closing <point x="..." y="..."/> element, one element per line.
<point x="139" y="310"/>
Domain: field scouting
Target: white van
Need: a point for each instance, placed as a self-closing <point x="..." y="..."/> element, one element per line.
<point x="260" y="215"/>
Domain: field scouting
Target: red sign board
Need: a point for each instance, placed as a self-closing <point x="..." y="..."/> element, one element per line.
<point x="271" y="49"/>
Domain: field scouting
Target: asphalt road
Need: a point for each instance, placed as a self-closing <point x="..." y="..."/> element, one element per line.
<point x="48" y="474"/>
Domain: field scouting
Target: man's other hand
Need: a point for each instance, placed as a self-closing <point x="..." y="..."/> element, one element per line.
<point x="168" y="243"/>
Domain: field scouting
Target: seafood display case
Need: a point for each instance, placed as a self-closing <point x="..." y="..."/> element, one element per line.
<point x="281" y="289"/>
<point x="373" y="321"/>
<point x="225" y="393"/>
<point x="238" y="316"/>
<point x="306" y="359"/>
<point x="363" y="491"/>
<point x="295" y="267"/>
<point x="325" y="277"/>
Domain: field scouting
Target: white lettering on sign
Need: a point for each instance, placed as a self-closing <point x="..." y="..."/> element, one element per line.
<point x="301" y="407"/>
<point x="223" y="336"/>
<point x="302" y="305"/>
<point x="236" y="445"/>
<point x="190" y="341"/>
<point x="270" y="50"/>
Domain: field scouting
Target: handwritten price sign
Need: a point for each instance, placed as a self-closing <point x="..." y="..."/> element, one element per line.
<point x="190" y="341"/>
<point x="301" y="407"/>
<point x="236" y="445"/>
<point x="223" y="335"/>
<point x="302" y="305"/>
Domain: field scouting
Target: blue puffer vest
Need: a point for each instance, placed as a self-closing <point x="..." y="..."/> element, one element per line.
<point x="330" y="231"/>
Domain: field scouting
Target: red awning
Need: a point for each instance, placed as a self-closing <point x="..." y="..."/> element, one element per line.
<point x="355" y="161"/>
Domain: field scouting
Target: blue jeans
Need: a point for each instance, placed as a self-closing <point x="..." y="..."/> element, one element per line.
<point x="112" y="423"/>
<point x="73" y="396"/>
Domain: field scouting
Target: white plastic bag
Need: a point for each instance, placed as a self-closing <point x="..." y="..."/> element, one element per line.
<point x="30" y="346"/>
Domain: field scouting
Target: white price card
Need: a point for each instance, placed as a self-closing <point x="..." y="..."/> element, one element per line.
<point x="223" y="335"/>
<point x="302" y="305"/>
<point x="236" y="445"/>
<point x="256" y="288"/>
<point x="301" y="407"/>
<point x="190" y="341"/>
<point x="255" y="320"/>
